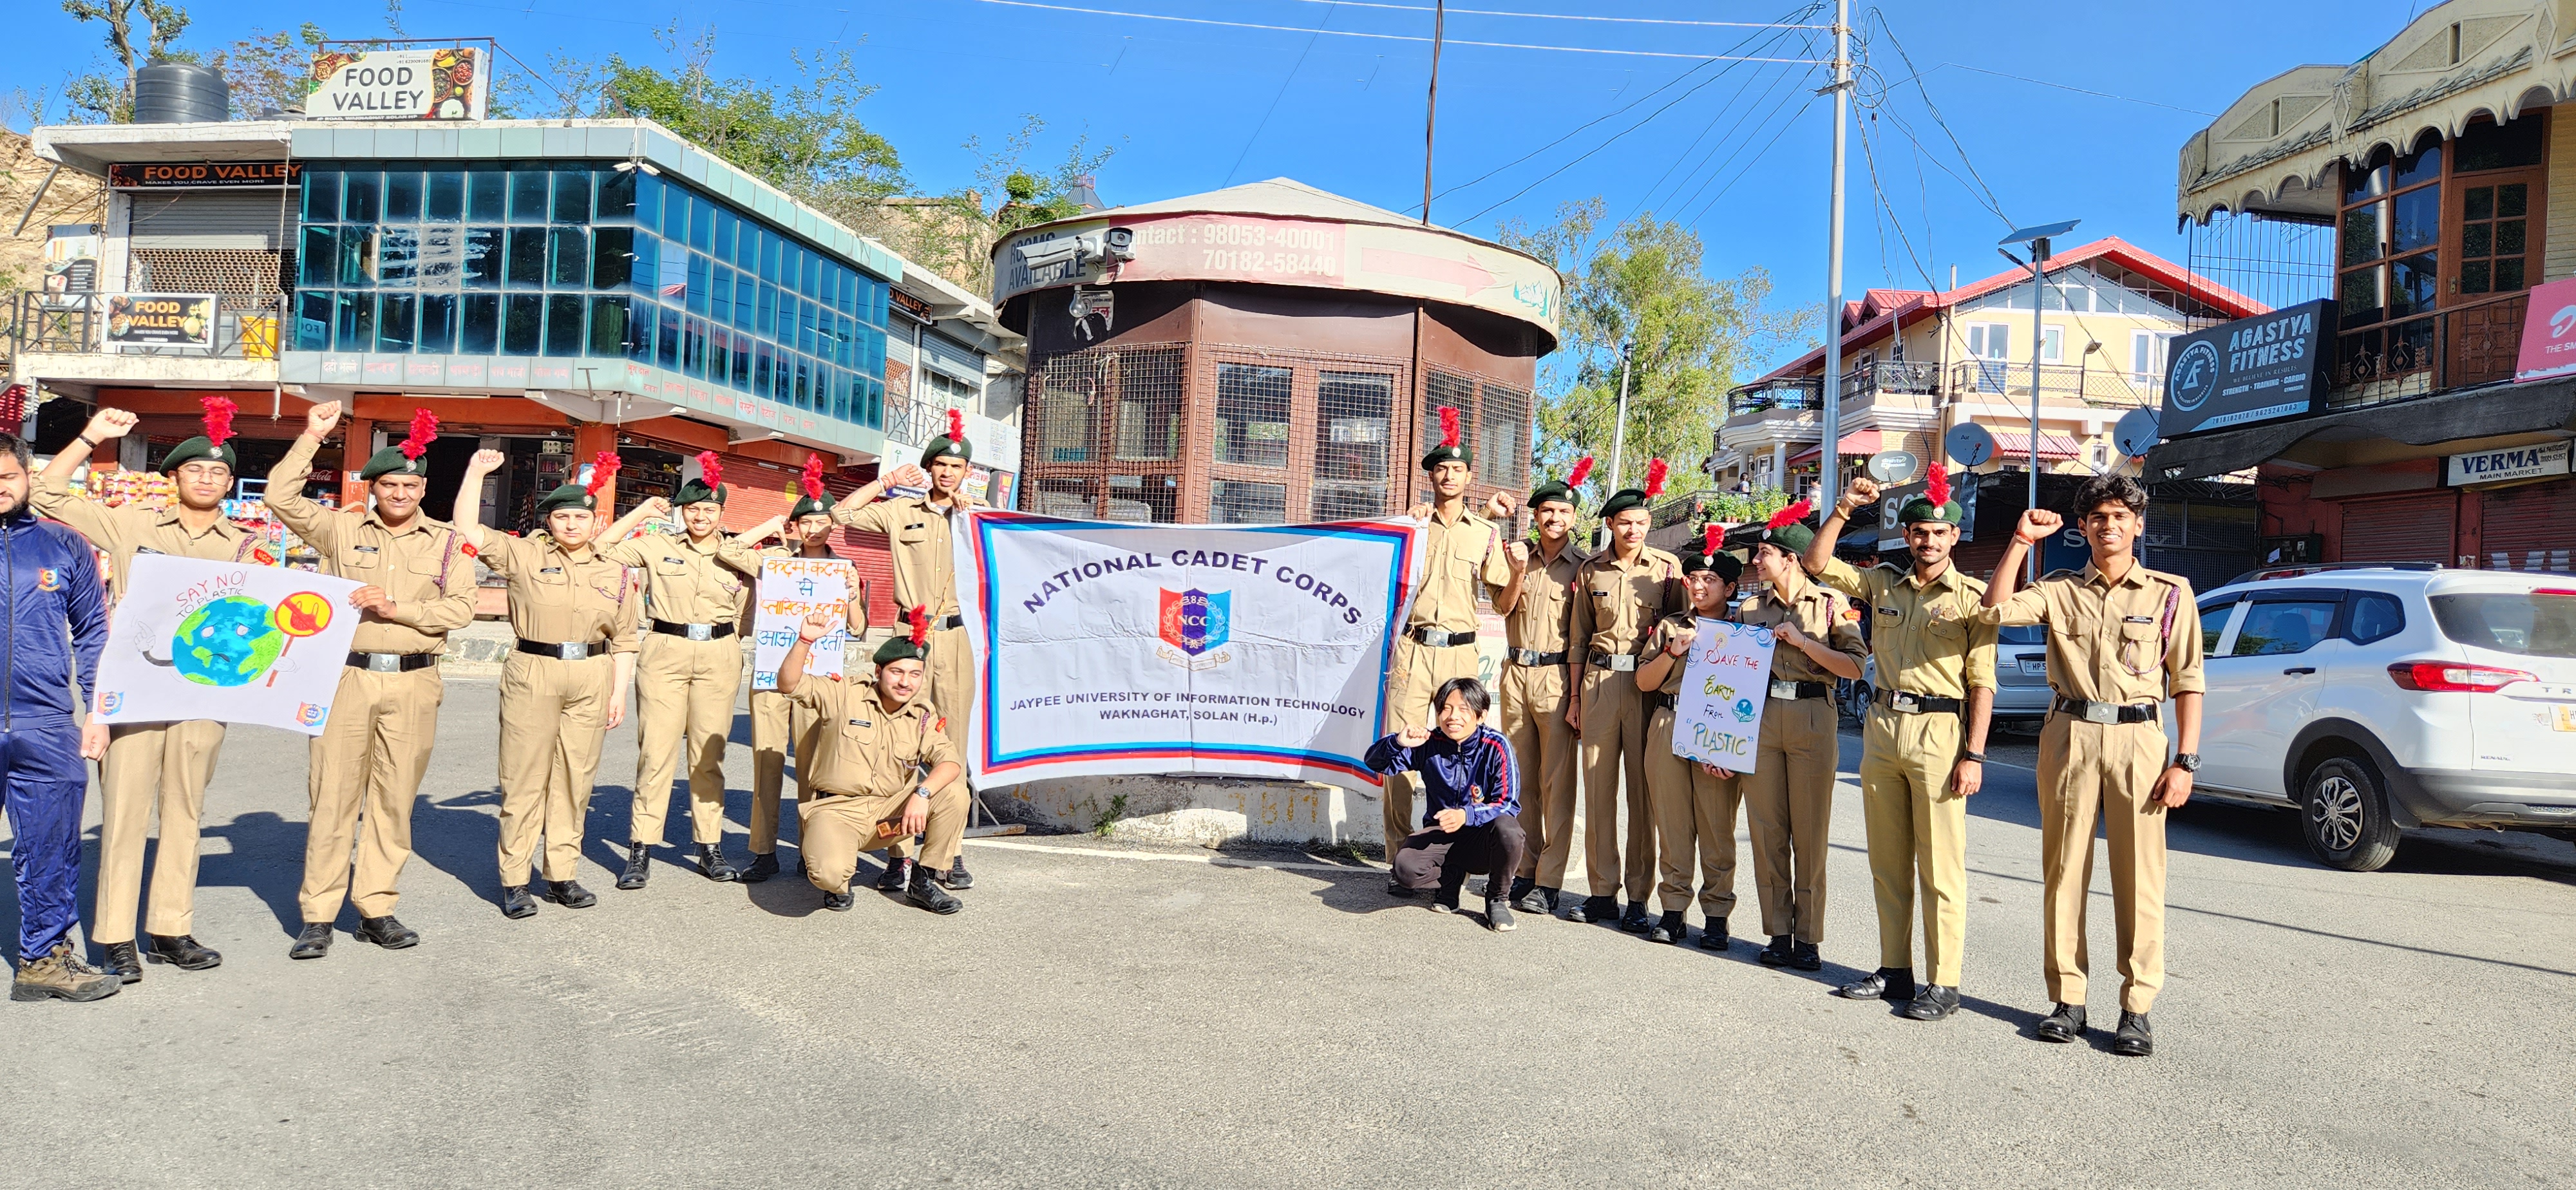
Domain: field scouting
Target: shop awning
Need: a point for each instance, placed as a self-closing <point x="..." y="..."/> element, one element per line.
<point x="2489" y="411"/>
<point x="1854" y="444"/>
<point x="2015" y="444"/>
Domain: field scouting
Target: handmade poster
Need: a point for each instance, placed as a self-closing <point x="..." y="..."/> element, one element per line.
<point x="1111" y="648"/>
<point x="790" y="590"/>
<point x="1717" y="716"/>
<point x="232" y="641"/>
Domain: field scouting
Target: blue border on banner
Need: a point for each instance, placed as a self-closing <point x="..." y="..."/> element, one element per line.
<point x="987" y="525"/>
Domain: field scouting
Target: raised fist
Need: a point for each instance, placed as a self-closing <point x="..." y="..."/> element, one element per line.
<point x="1518" y="553"/>
<point x="910" y="475"/>
<point x="1678" y="641"/>
<point x="110" y="423"/>
<point x="815" y="627"/>
<point x="1863" y="491"/>
<point x="486" y="462"/>
<point x="319" y="419"/>
<point x="2036" y="524"/>
<point x="655" y="508"/>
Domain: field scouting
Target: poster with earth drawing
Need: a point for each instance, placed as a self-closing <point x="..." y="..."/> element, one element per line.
<point x="232" y="641"/>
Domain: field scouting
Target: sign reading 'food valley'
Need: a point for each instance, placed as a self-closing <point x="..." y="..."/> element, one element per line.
<point x="445" y="84"/>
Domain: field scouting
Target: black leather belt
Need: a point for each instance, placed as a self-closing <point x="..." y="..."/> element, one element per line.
<point x="1657" y="699"/>
<point x="1792" y="691"/>
<point x="392" y="663"/>
<point x="1906" y="702"/>
<point x="563" y="652"/>
<point x="1534" y="659"/>
<point x="944" y="623"/>
<point x="1440" y="638"/>
<point x="1617" y="663"/>
<point x="2108" y="712"/>
<point x="693" y="631"/>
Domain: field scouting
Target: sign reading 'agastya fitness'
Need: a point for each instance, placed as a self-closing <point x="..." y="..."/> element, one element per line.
<point x="2251" y="370"/>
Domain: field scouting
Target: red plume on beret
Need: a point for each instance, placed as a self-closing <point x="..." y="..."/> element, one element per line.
<point x="219" y="418"/>
<point x="1582" y="471"/>
<point x="919" y="617"/>
<point x="957" y="425"/>
<point x="1712" y="537"/>
<point x="602" y="469"/>
<point x="1789" y="516"/>
<point x="812" y="480"/>
<point x="710" y="469"/>
<point x="1936" y="488"/>
<point x="1448" y="425"/>
<point x="1655" y="478"/>
<point x="424" y="429"/>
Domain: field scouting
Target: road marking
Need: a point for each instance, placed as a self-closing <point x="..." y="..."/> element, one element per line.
<point x="1221" y="861"/>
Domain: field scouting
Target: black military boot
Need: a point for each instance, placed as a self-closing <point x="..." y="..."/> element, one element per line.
<point x="1541" y="901"/>
<point x="1777" y="954"/>
<point x="1633" y="919"/>
<point x="387" y="932"/>
<point x="711" y="863"/>
<point x="1712" y="936"/>
<point x="122" y="964"/>
<point x="1892" y="984"/>
<point x="955" y="879"/>
<point x="180" y="951"/>
<point x="896" y="877"/>
<point x="2136" y="1038"/>
<point x="763" y="866"/>
<point x="1934" y="1003"/>
<point x="516" y="903"/>
<point x="1522" y="886"/>
<point x="2064" y="1024"/>
<point x="1805" y="958"/>
<point x="1669" y="928"/>
<point x="837" y="902"/>
<point x="313" y="943"/>
<point x="570" y="894"/>
<point x="1601" y="909"/>
<point x="639" y="866"/>
<point x="925" y="892"/>
<point x="1401" y="891"/>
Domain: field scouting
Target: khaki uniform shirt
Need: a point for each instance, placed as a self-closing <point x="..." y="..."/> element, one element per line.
<point x="862" y="749"/>
<point x="125" y="532"/>
<point x="917" y="534"/>
<point x="1616" y="604"/>
<point x="1456" y="555"/>
<point x="1539" y="622"/>
<point x="426" y="567"/>
<point x="1816" y="611"/>
<point x="2110" y="642"/>
<point x="686" y="583"/>
<point x="1928" y="637"/>
<point x="560" y="596"/>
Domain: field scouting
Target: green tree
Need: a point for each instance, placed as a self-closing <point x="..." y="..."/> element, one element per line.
<point x="104" y="98"/>
<point x="269" y="71"/>
<point x="1689" y="337"/>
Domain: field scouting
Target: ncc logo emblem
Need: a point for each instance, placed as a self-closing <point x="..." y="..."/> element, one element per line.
<point x="1195" y="621"/>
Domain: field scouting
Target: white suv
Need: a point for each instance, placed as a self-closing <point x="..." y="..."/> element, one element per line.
<point x="2372" y="698"/>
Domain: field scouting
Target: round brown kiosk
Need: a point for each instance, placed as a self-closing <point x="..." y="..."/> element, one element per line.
<point x="1266" y="354"/>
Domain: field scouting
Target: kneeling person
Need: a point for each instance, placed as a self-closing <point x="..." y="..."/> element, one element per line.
<point x="882" y="771"/>
<point x="1472" y="824"/>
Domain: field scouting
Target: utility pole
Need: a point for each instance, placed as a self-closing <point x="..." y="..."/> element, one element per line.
<point x="1431" y="104"/>
<point x="2038" y="341"/>
<point x="1619" y="431"/>
<point x="1829" y="462"/>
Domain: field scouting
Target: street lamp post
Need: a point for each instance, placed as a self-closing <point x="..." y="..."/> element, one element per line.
<point x="2037" y="238"/>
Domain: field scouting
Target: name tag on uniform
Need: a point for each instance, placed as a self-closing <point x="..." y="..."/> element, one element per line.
<point x="551" y="570"/>
<point x="862" y="723"/>
<point x="145" y="549"/>
<point x="2137" y="619"/>
<point x="1890" y="611"/>
<point x="364" y="549"/>
<point x="918" y="525"/>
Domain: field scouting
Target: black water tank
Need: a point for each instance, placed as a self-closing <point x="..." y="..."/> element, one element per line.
<point x="180" y="93"/>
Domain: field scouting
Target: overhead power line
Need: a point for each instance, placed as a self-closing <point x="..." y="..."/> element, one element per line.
<point x="1497" y="45"/>
<point x="1562" y="16"/>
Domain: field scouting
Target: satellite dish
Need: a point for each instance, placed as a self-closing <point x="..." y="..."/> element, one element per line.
<point x="1894" y="466"/>
<point x="2136" y="433"/>
<point x="1970" y="444"/>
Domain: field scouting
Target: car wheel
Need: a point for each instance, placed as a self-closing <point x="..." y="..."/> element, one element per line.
<point x="1858" y="708"/>
<point x="2344" y="816"/>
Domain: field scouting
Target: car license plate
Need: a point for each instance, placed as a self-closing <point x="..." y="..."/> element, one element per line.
<point x="2034" y="667"/>
<point x="2563" y="716"/>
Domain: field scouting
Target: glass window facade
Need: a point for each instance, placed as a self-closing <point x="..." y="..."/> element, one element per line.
<point x="571" y="259"/>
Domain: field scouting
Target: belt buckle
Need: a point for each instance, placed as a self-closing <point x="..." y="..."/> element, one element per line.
<point x="2101" y="712"/>
<point x="384" y="663"/>
<point x="701" y="632"/>
<point x="1787" y="690"/>
<point x="571" y="652"/>
<point x="1904" y="701"/>
<point x="1624" y="663"/>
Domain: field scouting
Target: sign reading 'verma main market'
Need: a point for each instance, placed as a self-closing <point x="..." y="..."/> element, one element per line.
<point x="2263" y="368"/>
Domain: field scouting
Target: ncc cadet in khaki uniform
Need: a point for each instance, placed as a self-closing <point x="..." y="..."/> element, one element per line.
<point x="883" y="771"/>
<point x="2121" y="639"/>
<point x="153" y="767"/>
<point x="1789" y="795"/>
<point x="1537" y="607"/>
<point x="564" y="687"/>
<point x="1619" y="594"/>
<point x="775" y="720"/>
<point x="1695" y="807"/>
<point x="1923" y="746"/>
<point x="695" y="588"/>
<point x="364" y="770"/>
<point x="918" y="533"/>
<point x="1459" y="549"/>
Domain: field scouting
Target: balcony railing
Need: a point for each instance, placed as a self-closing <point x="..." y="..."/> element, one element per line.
<point x="1796" y="392"/>
<point x="2455" y="348"/>
<point x="2107" y="388"/>
<point x="1871" y="379"/>
<point x="91" y="323"/>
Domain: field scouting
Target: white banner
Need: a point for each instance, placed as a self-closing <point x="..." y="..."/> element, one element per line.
<point x="1105" y="649"/>
<point x="790" y="590"/>
<point x="233" y="641"/>
<point x="1717" y="716"/>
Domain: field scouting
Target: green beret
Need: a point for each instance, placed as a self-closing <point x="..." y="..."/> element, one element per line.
<point x="1621" y="501"/>
<point x="199" y="447"/>
<point x="1724" y="563"/>
<point x="1794" y="537"/>
<point x="392" y="461"/>
<point x="1448" y="454"/>
<point x="944" y="446"/>
<point x="571" y="495"/>
<point x="1556" y="491"/>
<point x="808" y="506"/>
<point x="899" y="648"/>
<point x="696" y="491"/>
<point x="1920" y="509"/>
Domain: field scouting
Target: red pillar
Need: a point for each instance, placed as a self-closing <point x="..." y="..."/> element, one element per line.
<point x="588" y="439"/>
<point x="357" y="434"/>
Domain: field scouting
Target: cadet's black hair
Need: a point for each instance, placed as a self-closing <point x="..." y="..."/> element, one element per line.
<point x="2109" y="489"/>
<point x="1470" y="689"/>
<point x="16" y="447"/>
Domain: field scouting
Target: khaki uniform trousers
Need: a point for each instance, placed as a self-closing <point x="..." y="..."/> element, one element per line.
<point x="1695" y="810"/>
<point x="152" y="767"/>
<point x="684" y="691"/>
<point x="1533" y="700"/>
<point x="363" y="773"/>
<point x="1413" y="675"/>
<point x="2109" y="768"/>
<point x="950" y="670"/>
<point x="776" y="720"/>
<point x="1614" y="771"/>
<point x="1918" y="835"/>
<point x="834" y="829"/>
<point x="1789" y="802"/>
<point x="554" y="715"/>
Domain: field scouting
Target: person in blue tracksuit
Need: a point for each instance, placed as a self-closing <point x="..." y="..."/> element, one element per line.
<point x="1471" y="786"/>
<point x="53" y="617"/>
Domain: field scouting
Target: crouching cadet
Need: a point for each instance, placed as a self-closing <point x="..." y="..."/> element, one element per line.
<point x="882" y="771"/>
<point x="1472" y="823"/>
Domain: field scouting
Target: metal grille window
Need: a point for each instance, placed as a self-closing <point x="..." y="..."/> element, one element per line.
<point x="238" y="271"/>
<point x="1252" y="416"/>
<point x="1456" y="392"/>
<point x="1070" y="498"/>
<point x="1351" y="416"/>
<point x="1503" y="437"/>
<point x="1238" y="502"/>
<point x="1149" y="416"/>
<point x="1143" y="499"/>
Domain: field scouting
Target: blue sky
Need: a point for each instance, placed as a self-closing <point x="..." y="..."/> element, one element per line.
<point x="1190" y="107"/>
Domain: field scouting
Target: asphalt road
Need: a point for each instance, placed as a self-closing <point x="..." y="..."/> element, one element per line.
<point x="1109" y="1016"/>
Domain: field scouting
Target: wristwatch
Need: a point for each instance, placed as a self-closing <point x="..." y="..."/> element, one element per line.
<point x="2188" y="762"/>
<point x="922" y="792"/>
<point x="1979" y="757"/>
